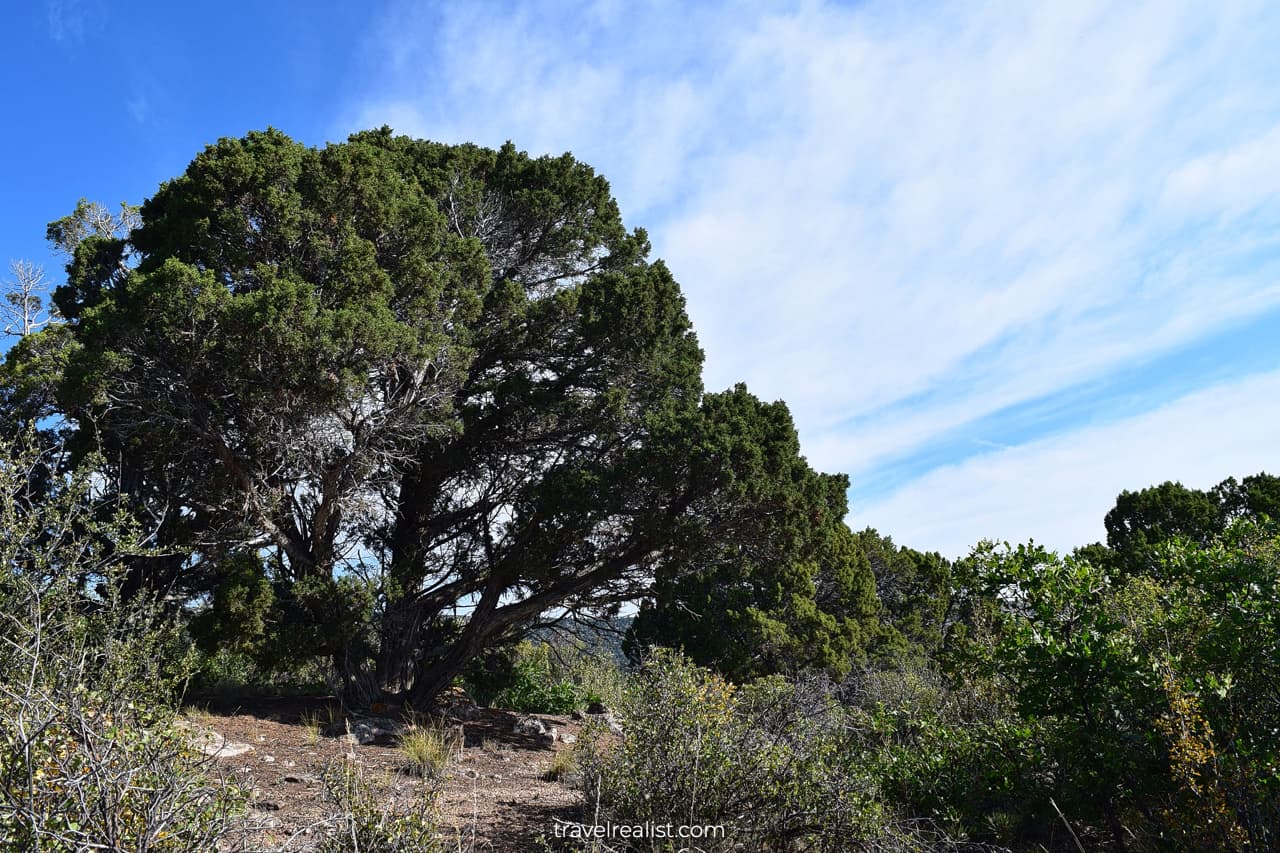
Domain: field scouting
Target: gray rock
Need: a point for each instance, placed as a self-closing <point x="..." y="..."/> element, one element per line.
<point x="230" y="749"/>
<point x="375" y="730"/>
<point x="530" y="727"/>
<point x="300" y="779"/>
<point x="215" y="745"/>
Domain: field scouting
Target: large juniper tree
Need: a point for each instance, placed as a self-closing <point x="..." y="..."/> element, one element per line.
<point x="428" y="395"/>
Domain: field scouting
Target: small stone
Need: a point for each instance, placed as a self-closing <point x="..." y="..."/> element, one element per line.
<point x="299" y="779"/>
<point x="375" y="730"/>
<point x="568" y="737"/>
<point x="269" y="759"/>
<point x="530" y="726"/>
<point x="213" y="744"/>
<point x="231" y="749"/>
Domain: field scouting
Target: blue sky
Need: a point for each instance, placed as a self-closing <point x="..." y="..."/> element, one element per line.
<point x="1003" y="259"/>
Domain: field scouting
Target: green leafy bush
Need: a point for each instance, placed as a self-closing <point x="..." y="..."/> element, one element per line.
<point x="771" y="763"/>
<point x="533" y="690"/>
<point x="90" y="755"/>
<point x="534" y="687"/>
<point x="364" y="824"/>
<point x="956" y="759"/>
<point x="229" y="673"/>
<point x="489" y="673"/>
<point x="1143" y="704"/>
<point x="599" y="678"/>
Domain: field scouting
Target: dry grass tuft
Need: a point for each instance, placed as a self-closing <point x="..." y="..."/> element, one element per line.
<point x="564" y="764"/>
<point x="427" y="750"/>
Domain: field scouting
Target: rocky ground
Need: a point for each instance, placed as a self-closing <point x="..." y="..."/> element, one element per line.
<point x="493" y="796"/>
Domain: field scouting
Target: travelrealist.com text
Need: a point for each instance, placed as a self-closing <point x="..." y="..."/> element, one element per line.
<point x="646" y="830"/>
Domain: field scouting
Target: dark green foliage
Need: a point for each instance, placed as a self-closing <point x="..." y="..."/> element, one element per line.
<point x="791" y="589"/>
<point x="253" y="631"/>
<point x="533" y="689"/>
<point x="1142" y="520"/>
<point x="1258" y="495"/>
<point x="914" y="589"/>
<point x="1149" y="699"/>
<point x="1065" y="653"/>
<point x="238" y="618"/>
<point x="490" y="672"/>
<point x="543" y="677"/>
<point x="956" y="757"/>
<point x="405" y="377"/>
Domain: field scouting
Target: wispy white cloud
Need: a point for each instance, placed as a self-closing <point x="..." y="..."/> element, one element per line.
<point x="1057" y="490"/>
<point x="139" y="108"/>
<point x="898" y="217"/>
<point x="1230" y="180"/>
<point x="66" y="19"/>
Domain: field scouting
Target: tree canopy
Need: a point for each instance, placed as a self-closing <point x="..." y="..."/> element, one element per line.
<point x="791" y="590"/>
<point x="1142" y="520"/>
<point x="412" y="399"/>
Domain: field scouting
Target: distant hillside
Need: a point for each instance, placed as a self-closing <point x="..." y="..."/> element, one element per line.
<point x="603" y="640"/>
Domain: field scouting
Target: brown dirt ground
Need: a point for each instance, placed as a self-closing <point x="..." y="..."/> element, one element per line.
<point x="493" y="797"/>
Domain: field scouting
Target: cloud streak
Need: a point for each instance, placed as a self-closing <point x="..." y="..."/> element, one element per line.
<point x="66" y="20"/>
<point x="1056" y="490"/>
<point x="901" y="219"/>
